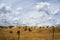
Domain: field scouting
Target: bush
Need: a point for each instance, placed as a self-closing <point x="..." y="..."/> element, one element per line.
<point x="25" y="28"/>
<point x="29" y="29"/>
<point x="11" y="26"/>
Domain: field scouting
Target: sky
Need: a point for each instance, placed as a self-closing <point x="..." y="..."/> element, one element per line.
<point x="30" y="12"/>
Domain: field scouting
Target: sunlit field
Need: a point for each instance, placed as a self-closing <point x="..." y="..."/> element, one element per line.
<point x="29" y="33"/>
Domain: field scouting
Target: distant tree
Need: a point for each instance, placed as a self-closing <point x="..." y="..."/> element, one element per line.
<point x="39" y="27"/>
<point x="43" y="27"/>
<point x="47" y="26"/>
<point x="1" y="27"/>
<point x="11" y="32"/>
<point x="29" y="29"/>
<point x="11" y="26"/>
<point x="25" y="28"/>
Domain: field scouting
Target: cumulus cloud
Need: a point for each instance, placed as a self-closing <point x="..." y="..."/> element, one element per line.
<point x="46" y="7"/>
<point x="9" y="16"/>
<point x="35" y="18"/>
<point x="58" y="21"/>
<point x="44" y="14"/>
<point x="4" y="8"/>
<point x="42" y="5"/>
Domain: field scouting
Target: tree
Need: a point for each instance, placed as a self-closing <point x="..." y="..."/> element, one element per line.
<point x="11" y="26"/>
<point x="29" y="29"/>
<point x="25" y="28"/>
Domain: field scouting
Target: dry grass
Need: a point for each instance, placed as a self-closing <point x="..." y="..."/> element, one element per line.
<point x="32" y="34"/>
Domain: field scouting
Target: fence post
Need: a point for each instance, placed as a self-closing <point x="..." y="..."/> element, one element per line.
<point x="18" y="32"/>
<point x="53" y="29"/>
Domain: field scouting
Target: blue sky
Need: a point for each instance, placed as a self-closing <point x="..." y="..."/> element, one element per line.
<point x="30" y="12"/>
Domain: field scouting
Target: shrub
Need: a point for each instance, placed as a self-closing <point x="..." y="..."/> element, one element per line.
<point x="29" y="29"/>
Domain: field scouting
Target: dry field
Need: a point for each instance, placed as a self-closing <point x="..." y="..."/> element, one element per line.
<point x="29" y="33"/>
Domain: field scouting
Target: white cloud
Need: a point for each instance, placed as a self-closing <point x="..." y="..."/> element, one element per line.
<point x="56" y="11"/>
<point x="19" y="9"/>
<point x="46" y="7"/>
<point x="58" y="21"/>
<point x="32" y="18"/>
<point x="42" y="5"/>
<point x="49" y="18"/>
<point x="45" y="24"/>
<point x="39" y="17"/>
<point x="9" y="14"/>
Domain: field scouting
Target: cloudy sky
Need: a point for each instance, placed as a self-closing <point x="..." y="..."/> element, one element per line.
<point x="30" y="12"/>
